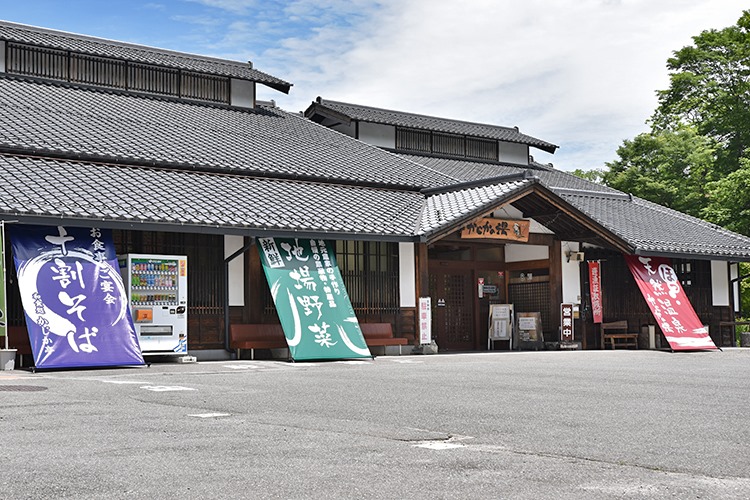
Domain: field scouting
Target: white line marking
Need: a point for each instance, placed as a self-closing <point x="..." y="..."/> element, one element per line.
<point x="438" y="445"/>
<point x="166" y="388"/>
<point x="209" y="415"/>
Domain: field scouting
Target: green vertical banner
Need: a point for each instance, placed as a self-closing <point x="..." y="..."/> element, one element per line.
<point x="314" y="309"/>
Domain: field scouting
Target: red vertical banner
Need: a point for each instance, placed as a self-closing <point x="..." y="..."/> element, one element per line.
<point x="670" y="306"/>
<point x="595" y="290"/>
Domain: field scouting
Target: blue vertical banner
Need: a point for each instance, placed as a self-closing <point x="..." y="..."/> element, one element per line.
<point x="73" y="296"/>
<point x="311" y="300"/>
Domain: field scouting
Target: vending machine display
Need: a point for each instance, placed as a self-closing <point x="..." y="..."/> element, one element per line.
<point x="157" y="288"/>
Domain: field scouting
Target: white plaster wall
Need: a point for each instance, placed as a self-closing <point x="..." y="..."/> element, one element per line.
<point x="513" y="153"/>
<point x="236" y="270"/>
<point x="345" y="129"/>
<point x="719" y="283"/>
<point x="376" y="134"/>
<point x="2" y="57"/>
<point x="407" y="275"/>
<point x="522" y="253"/>
<point x="511" y="212"/>
<point x="242" y="93"/>
<point x="571" y="277"/>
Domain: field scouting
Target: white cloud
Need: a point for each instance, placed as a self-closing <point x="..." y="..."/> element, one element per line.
<point x="579" y="73"/>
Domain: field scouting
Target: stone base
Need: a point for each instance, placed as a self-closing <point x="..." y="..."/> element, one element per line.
<point x="7" y="359"/>
<point x="430" y="348"/>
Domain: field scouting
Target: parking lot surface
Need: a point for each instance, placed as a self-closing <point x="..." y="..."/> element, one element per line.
<point x="582" y="424"/>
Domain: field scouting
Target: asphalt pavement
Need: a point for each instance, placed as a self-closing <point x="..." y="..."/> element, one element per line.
<point x="563" y="425"/>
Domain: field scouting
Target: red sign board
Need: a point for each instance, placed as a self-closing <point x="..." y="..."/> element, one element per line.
<point x="595" y="290"/>
<point x="670" y="306"/>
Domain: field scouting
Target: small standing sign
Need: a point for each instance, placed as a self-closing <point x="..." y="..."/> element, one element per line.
<point x="425" y="320"/>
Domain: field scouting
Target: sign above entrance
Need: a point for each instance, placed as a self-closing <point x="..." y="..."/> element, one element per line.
<point x="497" y="229"/>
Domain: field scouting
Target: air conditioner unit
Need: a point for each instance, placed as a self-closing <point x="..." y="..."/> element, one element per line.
<point x="575" y="256"/>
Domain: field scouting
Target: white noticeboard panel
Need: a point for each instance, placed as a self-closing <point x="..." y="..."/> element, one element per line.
<point x="425" y="320"/>
<point x="500" y="323"/>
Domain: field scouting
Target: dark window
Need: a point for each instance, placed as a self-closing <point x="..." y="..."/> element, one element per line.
<point x="370" y="273"/>
<point x="484" y="149"/>
<point x="109" y="72"/>
<point x="413" y="140"/>
<point x="449" y="144"/>
<point x="456" y="145"/>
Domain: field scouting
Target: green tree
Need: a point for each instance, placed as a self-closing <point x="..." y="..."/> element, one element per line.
<point x="729" y="203"/>
<point x="593" y="175"/>
<point x="668" y="167"/>
<point x="710" y="89"/>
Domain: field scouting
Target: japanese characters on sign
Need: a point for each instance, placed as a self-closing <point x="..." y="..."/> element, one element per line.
<point x="311" y="300"/>
<point x="595" y="290"/>
<point x="499" y="229"/>
<point x="566" y="322"/>
<point x="73" y="297"/>
<point x="669" y="305"/>
<point x="425" y="320"/>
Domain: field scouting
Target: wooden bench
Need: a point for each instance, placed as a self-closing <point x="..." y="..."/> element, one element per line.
<point x="256" y="336"/>
<point x="616" y="332"/>
<point x="271" y="336"/>
<point x="381" y="334"/>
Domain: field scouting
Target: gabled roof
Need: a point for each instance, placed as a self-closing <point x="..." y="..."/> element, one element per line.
<point x="356" y="112"/>
<point x="110" y="127"/>
<point x="607" y="217"/>
<point x="448" y="211"/>
<point x="33" y="35"/>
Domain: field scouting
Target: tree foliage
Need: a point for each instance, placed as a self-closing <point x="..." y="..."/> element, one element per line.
<point x="670" y="168"/>
<point x="696" y="158"/>
<point x="710" y="89"/>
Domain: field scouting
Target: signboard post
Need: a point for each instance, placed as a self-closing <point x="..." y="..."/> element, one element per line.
<point x="313" y="307"/>
<point x="567" y="327"/>
<point x="425" y="320"/>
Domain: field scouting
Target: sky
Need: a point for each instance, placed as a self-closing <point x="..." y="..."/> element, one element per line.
<point x="581" y="74"/>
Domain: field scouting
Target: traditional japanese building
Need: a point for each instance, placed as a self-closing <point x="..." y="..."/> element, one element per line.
<point x="175" y="154"/>
<point x="584" y="222"/>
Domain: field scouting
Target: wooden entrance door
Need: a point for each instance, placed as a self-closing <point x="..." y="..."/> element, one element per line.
<point x="453" y="309"/>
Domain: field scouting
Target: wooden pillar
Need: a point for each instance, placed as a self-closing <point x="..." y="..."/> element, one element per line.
<point x="255" y="279"/>
<point x="555" y="283"/>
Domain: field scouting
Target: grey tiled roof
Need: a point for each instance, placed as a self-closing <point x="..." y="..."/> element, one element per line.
<point x="411" y="120"/>
<point x="654" y="229"/>
<point x="44" y="190"/>
<point x="138" y="53"/>
<point x="646" y="227"/>
<point x="51" y="119"/>
<point x="446" y="210"/>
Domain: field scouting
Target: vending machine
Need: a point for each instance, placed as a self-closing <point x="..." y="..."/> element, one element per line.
<point x="157" y="289"/>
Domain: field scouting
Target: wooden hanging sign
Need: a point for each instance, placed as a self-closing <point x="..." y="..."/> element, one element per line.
<point x="497" y="229"/>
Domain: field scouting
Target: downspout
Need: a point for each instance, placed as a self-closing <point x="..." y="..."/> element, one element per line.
<point x="229" y="259"/>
